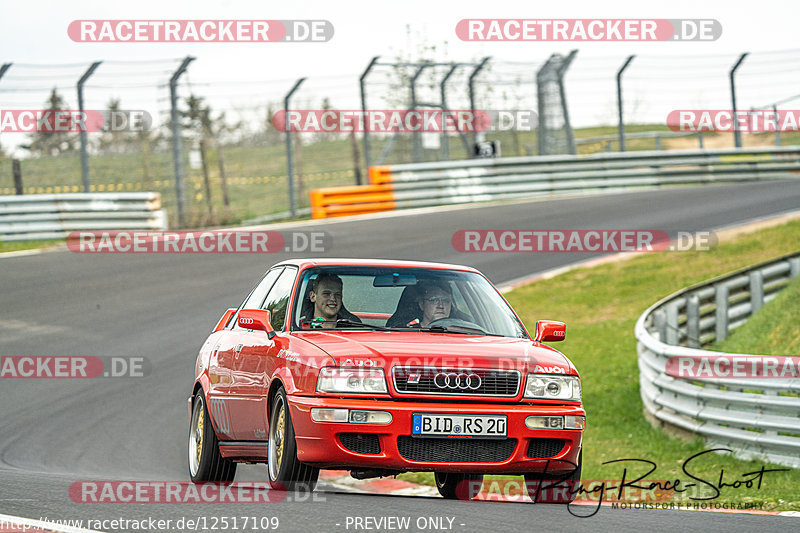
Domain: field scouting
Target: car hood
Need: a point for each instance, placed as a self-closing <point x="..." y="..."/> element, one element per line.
<point x="388" y="349"/>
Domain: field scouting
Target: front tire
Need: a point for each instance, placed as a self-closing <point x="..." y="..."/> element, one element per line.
<point x="284" y="470"/>
<point x="205" y="461"/>
<point x="458" y="486"/>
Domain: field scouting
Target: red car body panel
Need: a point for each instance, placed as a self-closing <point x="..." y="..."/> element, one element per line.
<point x="238" y="369"/>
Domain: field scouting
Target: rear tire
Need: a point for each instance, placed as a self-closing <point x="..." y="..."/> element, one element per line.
<point x="205" y="461"/>
<point x="458" y="486"/>
<point x="284" y="470"/>
<point x="565" y="492"/>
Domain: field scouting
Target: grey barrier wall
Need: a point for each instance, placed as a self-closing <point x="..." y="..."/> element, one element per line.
<point x="54" y="216"/>
<point x="754" y="417"/>
<point x="449" y="182"/>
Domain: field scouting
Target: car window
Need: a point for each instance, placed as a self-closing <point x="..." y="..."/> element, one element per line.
<point x="257" y="295"/>
<point x="278" y="298"/>
<point x="388" y="297"/>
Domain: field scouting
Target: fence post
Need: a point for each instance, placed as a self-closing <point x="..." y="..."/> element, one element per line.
<point x="17" y="171"/>
<point x="289" y="152"/>
<point x="737" y="135"/>
<point x="672" y="325"/>
<point x="794" y="267"/>
<point x="693" y="321"/>
<point x="416" y="141"/>
<point x="471" y="88"/>
<point x="84" y="142"/>
<point x="721" y="322"/>
<point x="177" y="148"/>
<point x="660" y="319"/>
<point x="756" y="291"/>
<point x="362" y="82"/>
<point x="619" y="103"/>
<point x="445" y="109"/>
<point x="562" y="70"/>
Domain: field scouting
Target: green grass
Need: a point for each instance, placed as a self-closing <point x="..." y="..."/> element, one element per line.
<point x="772" y="330"/>
<point x="600" y="306"/>
<point x="16" y="246"/>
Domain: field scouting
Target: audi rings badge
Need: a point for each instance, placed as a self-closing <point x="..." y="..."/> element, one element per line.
<point x="457" y="380"/>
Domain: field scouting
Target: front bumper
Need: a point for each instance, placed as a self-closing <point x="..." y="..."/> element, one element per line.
<point x="320" y="443"/>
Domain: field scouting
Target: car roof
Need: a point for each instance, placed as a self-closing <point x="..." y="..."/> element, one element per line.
<point x="313" y="262"/>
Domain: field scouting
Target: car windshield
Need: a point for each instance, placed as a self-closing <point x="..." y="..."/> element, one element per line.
<point x="410" y="299"/>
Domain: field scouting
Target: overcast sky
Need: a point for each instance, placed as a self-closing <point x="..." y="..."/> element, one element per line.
<point x="234" y="74"/>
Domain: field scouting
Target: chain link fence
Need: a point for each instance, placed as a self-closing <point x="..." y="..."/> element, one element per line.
<point x="242" y="172"/>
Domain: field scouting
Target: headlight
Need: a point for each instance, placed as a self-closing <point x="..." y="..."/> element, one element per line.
<point x="352" y="380"/>
<point x="553" y="387"/>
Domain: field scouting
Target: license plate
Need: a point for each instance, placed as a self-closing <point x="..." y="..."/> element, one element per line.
<point x="459" y="426"/>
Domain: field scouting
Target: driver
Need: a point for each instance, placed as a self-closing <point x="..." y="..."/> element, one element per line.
<point x="435" y="301"/>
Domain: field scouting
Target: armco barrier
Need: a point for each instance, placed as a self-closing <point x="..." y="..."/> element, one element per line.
<point x="54" y="216"/>
<point x="756" y="418"/>
<point x="475" y="180"/>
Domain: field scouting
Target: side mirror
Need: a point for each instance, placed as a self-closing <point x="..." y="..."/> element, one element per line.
<point x="256" y="319"/>
<point x="550" y="331"/>
<point x="224" y="320"/>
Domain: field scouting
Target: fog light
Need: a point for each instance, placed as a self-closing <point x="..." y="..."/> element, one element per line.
<point x="321" y="414"/>
<point x="574" y="422"/>
<point x="370" y="417"/>
<point x="545" y="422"/>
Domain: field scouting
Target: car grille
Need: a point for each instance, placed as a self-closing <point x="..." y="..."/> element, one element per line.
<point x="545" y="448"/>
<point x="361" y="442"/>
<point x="455" y="450"/>
<point x="492" y="382"/>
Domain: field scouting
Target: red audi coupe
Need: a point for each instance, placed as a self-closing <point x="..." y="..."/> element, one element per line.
<point x="381" y="367"/>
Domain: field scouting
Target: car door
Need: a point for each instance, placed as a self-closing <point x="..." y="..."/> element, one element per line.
<point x="228" y="351"/>
<point x="255" y="364"/>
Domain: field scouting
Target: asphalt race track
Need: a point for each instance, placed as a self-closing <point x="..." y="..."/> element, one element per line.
<point x="55" y="432"/>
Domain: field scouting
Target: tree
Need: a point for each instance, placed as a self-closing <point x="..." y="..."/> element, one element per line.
<point x="272" y="135"/>
<point x="209" y="130"/>
<point x="45" y="142"/>
<point x="113" y="141"/>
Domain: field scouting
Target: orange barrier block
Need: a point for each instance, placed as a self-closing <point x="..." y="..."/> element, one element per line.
<point x="351" y="200"/>
<point x="380" y="174"/>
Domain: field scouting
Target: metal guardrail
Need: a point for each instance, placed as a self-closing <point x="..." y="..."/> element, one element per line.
<point x="452" y="182"/>
<point x="54" y="216"/>
<point x="755" y="417"/>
